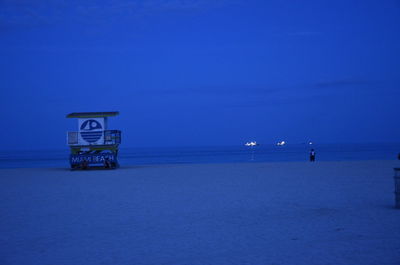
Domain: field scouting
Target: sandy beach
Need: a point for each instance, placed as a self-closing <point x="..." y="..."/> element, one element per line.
<point x="288" y="213"/>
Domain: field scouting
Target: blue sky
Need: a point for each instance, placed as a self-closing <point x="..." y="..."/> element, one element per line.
<point x="189" y="73"/>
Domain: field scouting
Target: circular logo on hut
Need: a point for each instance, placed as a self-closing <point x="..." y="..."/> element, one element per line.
<point x="91" y="131"/>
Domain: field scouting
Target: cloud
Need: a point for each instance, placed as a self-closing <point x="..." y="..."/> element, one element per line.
<point x="210" y="91"/>
<point x="15" y="13"/>
<point x="344" y="83"/>
<point x="301" y="93"/>
<point x="305" y="33"/>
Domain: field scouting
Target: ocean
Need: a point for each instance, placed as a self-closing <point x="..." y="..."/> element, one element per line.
<point x="211" y="154"/>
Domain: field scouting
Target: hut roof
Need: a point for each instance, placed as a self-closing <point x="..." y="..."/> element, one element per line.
<point x="92" y="114"/>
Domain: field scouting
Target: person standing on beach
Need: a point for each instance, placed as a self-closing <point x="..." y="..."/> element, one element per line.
<point x="312" y="155"/>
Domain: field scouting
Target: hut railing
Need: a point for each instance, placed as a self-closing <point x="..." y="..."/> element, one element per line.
<point x="108" y="137"/>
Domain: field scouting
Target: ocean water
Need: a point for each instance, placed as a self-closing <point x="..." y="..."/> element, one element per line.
<point x="212" y="154"/>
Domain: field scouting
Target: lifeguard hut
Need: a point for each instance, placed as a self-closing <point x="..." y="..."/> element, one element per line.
<point x="93" y="143"/>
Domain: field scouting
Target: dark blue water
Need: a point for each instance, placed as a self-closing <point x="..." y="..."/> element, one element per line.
<point x="221" y="154"/>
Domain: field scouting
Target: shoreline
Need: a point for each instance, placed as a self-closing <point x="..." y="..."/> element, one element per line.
<point x="126" y="166"/>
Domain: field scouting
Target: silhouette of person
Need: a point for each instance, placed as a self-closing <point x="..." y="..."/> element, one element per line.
<point x="312" y="155"/>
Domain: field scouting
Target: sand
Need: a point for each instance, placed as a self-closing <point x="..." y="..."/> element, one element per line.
<point x="260" y="213"/>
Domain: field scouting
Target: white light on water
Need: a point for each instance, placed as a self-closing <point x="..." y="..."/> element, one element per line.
<point x="253" y="143"/>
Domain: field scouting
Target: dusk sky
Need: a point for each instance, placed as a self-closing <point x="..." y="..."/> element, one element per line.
<point x="197" y="73"/>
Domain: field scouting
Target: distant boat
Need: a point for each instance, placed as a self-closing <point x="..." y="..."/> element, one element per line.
<point x="281" y="143"/>
<point x="251" y="143"/>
